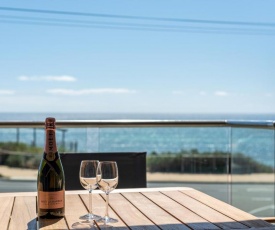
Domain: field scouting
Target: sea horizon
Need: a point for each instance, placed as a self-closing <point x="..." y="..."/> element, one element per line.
<point x="40" y="116"/>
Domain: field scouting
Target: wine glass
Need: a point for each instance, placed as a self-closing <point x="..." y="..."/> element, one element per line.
<point x="107" y="180"/>
<point x="87" y="176"/>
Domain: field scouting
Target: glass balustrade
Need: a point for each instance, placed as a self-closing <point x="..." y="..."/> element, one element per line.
<point x="231" y="161"/>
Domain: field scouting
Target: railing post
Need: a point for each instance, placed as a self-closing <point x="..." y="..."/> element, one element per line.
<point x="34" y="137"/>
<point x="17" y="135"/>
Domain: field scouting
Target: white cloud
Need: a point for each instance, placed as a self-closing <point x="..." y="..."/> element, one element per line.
<point x="90" y="91"/>
<point x="6" y="92"/>
<point x="221" y="93"/>
<point x="47" y="78"/>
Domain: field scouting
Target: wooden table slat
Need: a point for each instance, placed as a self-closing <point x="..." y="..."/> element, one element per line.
<point x="130" y="214"/>
<point x="74" y="209"/>
<point x="156" y="214"/>
<point x="98" y="207"/>
<point x="263" y="228"/>
<point x="204" y="211"/>
<point x="5" y="211"/>
<point x="180" y="212"/>
<point x="230" y="211"/>
<point x="148" y="209"/>
<point x="23" y="214"/>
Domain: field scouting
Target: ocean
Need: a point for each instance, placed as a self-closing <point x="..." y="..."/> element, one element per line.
<point x="252" y="142"/>
<point x="141" y="116"/>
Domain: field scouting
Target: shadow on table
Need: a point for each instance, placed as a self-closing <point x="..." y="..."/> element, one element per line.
<point x="245" y="224"/>
<point x="255" y="224"/>
<point x="38" y="223"/>
<point x="32" y="225"/>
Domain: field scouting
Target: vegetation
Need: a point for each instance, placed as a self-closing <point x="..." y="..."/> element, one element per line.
<point x="19" y="147"/>
<point x="17" y="154"/>
<point x="206" y="162"/>
<point x="20" y="155"/>
<point x="26" y="156"/>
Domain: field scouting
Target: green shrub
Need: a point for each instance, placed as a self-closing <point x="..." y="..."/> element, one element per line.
<point x="28" y="156"/>
<point x="20" y="147"/>
<point x="206" y="162"/>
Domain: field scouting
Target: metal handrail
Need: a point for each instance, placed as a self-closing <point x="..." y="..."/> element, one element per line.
<point x="266" y="124"/>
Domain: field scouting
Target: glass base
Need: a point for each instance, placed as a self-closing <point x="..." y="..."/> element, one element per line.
<point x="89" y="216"/>
<point x="107" y="219"/>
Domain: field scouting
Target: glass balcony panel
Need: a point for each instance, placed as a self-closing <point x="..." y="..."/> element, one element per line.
<point x="233" y="164"/>
<point x="253" y="170"/>
<point x="186" y="156"/>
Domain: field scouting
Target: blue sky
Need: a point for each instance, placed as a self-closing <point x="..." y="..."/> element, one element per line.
<point x="75" y="63"/>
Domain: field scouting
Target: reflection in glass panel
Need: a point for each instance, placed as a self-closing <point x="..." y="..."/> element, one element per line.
<point x="253" y="170"/>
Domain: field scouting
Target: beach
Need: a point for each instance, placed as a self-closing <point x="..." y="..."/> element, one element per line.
<point x="31" y="174"/>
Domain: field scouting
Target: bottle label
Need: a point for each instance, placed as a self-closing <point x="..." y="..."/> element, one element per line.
<point x="51" y="200"/>
<point x="50" y="148"/>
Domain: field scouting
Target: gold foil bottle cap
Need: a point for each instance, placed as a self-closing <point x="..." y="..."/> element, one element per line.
<point x="50" y="123"/>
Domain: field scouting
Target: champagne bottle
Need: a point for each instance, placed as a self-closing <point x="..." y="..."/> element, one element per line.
<point x="50" y="179"/>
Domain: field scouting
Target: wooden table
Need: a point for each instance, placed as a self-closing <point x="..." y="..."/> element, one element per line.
<point x="161" y="208"/>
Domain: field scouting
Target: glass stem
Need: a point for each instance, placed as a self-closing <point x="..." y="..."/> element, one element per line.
<point x="106" y="208"/>
<point x="90" y="202"/>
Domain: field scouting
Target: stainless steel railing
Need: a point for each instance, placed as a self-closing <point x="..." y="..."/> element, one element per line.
<point x="269" y="124"/>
